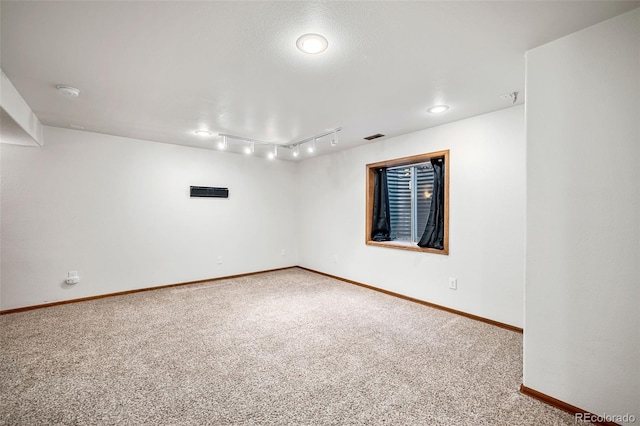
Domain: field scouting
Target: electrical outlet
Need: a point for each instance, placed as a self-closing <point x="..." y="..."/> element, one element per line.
<point x="283" y="252"/>
<point x="453" y="283"/>
<point x="219" y="260"/>
<point x="335" y="258"/>
<point x="72" y="278"/>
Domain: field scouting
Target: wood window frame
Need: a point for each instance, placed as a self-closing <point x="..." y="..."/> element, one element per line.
<point x="407" y="161"/>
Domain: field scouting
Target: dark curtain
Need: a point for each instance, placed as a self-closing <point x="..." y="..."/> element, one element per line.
<point x="381" y="224"/>
<point x="433" y="236"/>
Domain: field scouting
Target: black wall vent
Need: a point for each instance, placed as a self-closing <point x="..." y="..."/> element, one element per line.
<point x="207" y="191"/>
<point x="376" y="136"/>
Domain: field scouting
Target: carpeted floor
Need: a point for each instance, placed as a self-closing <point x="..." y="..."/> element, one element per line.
<point x="281" y="348"/>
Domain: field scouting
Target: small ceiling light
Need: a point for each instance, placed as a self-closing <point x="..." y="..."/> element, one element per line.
<point x="223" y="143"/>
<point x="69" y="91"/>
<point x="203" y="133"/>
<point x="250" y="149"/>
<point x="273" y="154"/>
<point x="438" y="109"/>
<point x="334" y="140"/>
<point x="312" y="147"/>
<point x="312" y="43"/>
<point x="297" y="151"/>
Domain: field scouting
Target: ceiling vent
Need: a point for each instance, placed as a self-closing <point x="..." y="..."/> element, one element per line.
<point x="376" y="136"/>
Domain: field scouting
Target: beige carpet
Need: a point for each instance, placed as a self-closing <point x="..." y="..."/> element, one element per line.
<point x="281" y="348"/>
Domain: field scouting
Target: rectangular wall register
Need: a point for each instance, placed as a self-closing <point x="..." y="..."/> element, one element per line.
<point x="209" y="192"/>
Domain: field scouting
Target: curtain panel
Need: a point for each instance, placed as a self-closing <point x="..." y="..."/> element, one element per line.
<point x="381" y="223"/>
<point x="433" y="236"/>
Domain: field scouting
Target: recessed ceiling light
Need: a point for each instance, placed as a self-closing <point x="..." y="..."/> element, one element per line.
<point x="437" y="109"/>
<point x="202" y="133"/>
<point x="312" y="43"/>
<point x="69" y="91"/>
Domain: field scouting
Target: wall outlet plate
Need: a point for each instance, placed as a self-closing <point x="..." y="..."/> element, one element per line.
<point x="453" y="283"/>
<point x="72" y="278"/>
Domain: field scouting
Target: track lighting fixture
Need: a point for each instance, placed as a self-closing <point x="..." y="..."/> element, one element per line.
<point x="273" y="153"/>
<point x="313" y="140"/>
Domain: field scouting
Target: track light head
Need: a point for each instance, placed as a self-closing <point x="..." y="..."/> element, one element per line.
<point x="274" y="153"/>
<point x="223" y="143"/>
<point x="250" y="149"/>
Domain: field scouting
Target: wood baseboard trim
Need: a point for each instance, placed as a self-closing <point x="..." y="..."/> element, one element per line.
<point x="138" y="290"/>
<point x="561" y="405"/>
<point x="390" y="293"/>
<point x="422" y="302"/>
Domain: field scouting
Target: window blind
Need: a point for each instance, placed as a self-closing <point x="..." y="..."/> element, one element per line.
<point x="409" y="200"/>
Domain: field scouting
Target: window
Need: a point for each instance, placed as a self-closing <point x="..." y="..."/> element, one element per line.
<point x="406" y="187"/>
<point x="410" y="192"/>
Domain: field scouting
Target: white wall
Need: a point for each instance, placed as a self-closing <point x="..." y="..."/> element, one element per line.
<point x="118" y="211"/>
<point x="582" y="327"/>
<point x="487" y="217"/>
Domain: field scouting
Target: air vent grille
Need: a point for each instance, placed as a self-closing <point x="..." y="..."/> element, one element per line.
<point x="209" y="192"/>
<point x="376" y="136"/>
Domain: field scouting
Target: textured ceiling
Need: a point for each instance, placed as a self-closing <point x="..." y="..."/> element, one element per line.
<point x="160" y="70"/>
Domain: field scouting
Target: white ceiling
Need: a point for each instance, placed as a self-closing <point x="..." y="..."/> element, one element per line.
<point x="160" y="70"/>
